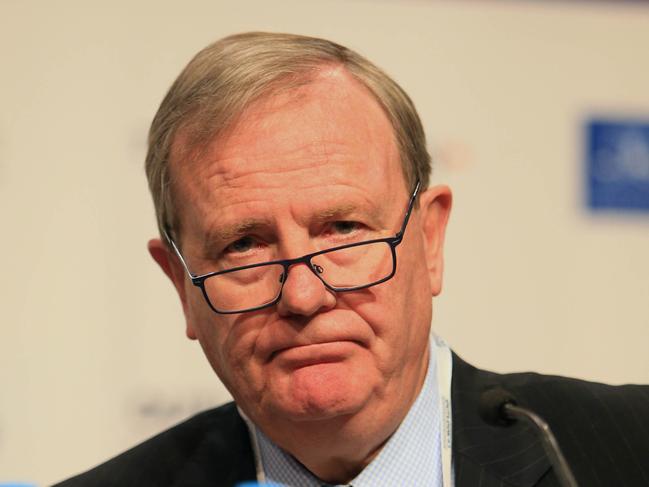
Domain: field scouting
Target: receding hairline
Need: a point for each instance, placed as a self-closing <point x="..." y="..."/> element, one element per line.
<point x="191" y="139"/>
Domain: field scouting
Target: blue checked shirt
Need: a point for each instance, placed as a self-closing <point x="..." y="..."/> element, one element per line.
<point x="411" y="457"/>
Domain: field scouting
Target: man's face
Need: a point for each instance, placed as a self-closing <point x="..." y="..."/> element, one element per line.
<point x="307" y="170"/>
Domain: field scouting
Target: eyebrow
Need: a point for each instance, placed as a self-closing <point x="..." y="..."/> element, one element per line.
<point x="233" y="231"/>
<point x="337" y="211"/>
<point x="350" y="211"/>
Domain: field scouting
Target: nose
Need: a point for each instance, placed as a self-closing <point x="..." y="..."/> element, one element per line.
<point x="304" y="293"/>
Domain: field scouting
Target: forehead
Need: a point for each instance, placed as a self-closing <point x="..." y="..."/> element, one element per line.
<point x="319" y="141"/>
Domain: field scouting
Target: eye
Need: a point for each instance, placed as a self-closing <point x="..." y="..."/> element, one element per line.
<point x="345" y="227"/>
<point x="244" y="244"/>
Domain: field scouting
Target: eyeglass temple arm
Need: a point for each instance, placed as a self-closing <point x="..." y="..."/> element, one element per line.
<point x="180" y="256"/>
<point x="411" y="205"/>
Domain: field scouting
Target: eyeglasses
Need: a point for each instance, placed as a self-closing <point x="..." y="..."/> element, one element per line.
<point x="345" y="268"/>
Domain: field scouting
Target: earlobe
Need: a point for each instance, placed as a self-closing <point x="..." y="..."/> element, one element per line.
<point x="435" y="207"/>
<point x="169" y="264"/>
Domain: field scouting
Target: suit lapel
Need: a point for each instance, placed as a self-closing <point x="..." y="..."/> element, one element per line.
<point x="223" y="458"/>
<point x="484" y="455"/>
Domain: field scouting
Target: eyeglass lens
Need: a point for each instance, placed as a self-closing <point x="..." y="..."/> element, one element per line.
<point x="346" y="268"/>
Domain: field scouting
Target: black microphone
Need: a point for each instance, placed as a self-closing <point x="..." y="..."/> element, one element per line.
<point x="498" y="407"/>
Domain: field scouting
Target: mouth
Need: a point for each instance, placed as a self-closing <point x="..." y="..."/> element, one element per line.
<point x="316" y="353"/>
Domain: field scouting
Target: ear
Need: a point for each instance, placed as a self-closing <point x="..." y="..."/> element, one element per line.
<point x="171" y="266"/>
<point x="435" y="208"/>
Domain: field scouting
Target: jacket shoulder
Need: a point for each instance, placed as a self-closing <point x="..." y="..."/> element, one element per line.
<point x="211" y="448"/>
<point x="602" y="429"/>
<point x="555" y="394"/>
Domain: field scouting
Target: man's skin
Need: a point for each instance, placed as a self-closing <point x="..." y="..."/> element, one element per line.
<point x="327" y="376"/>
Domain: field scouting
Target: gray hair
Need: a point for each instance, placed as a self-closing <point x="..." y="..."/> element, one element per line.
<point x="223" y="79"/>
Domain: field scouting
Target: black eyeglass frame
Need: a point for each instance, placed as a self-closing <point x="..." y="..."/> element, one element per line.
<point x="393" y="242"/>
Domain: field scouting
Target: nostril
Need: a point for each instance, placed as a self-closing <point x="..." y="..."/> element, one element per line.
<point x="304" y="294"/>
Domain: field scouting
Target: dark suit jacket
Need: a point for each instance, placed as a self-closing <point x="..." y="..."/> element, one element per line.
<point x="603" y="431"/>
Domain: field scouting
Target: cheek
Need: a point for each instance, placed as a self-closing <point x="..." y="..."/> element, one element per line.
<point x="384" y="309"/>
<point x="228" y="342"/>
<point x="412" y="272"/>
<point x="400" y="309"/>
<point x="211" y="330"/>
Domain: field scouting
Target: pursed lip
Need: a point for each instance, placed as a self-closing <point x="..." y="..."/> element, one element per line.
<point x="303" y="355"/>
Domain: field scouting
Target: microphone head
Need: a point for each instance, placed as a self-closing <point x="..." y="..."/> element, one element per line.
<point x="491" y="406"/>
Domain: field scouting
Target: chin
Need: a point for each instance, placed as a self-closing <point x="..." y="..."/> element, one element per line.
<point x="323" y="391"/>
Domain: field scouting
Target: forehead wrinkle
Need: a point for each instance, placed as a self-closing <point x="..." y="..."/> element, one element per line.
<point x="255" y="137"/>
<point x="234" y="171"/>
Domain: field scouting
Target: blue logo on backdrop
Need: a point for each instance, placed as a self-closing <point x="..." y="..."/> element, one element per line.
<point x="618" y="164"/>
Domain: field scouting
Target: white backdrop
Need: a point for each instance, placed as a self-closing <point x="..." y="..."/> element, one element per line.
<point x="92" y="351"/>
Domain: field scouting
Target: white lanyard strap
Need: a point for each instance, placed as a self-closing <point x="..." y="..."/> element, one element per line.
<point x="444" y="372"/>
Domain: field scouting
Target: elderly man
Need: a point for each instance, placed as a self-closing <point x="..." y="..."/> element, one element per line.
<point x="290" y="179"/>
